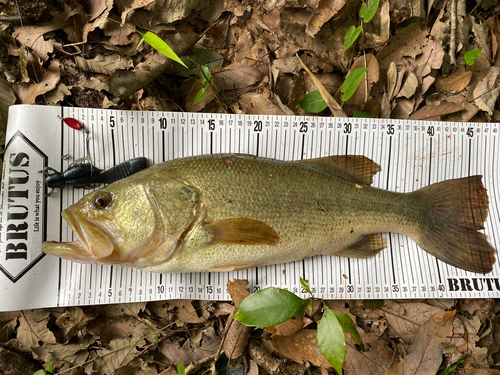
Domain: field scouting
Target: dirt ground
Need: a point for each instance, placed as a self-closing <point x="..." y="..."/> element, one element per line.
<point x="69" y="52"/>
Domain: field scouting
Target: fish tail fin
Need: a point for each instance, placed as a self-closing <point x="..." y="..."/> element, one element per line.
<point x="457" y="210"/>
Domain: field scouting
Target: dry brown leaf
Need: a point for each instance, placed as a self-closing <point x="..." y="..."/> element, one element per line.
<point x="72" y="321"/>
<point x="385" y="20"/>
<point x="179" y="309"/>
<point x="127" y="6"/>
<point x="403" y="108"/>
<point x="120" y="309"/>
<point x="118" y="354"/>
<point x="325" y="10"/>
<point x="409" y="87"/>
<point x="126" y="328"/>
<point x="374" y="358"/>
<point x="427" y="82"/>
<point x="427" y="349"/>
<point x="192" y="352"/>
<point x="33" y="330"/>
<point x="28" y="92"/>
<point x="482" y="37"/>
<point x="431" y="58"/>
<point x="472" y="305"/>
<point x="299" y="347"/>
<point x="258" y="103"/>
<point x="236" y="339"/>
<point x="32" y="36"/>
<point x="396" y="368"/>
<point x="75" y="353"/>
<point x="392" y="76"/>
<point x="408" y="42"/>
<point x="470" y="109"/>
<point x="327" y="44"/>
<point x="168" y="11"/>
<point x="456" y="82"/>
<point x="57" y="95"/>
<point x="118" y="34"/>
<point x="471" y="370"/>
<point x="362" y="93"/>
<point x="407" y="325"/>
<point x="431" y="111"/>
<point x="287" y="328"/>
<point x="237" y="290"/>
<point x="486" y="91"/>
<point x="104" y="64"/>
<point x="234" y="77"/>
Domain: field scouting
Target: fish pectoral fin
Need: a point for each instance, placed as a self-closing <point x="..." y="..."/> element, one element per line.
<point x="240" y="231"/>
<point x="355" y="168"/>
<point x="366" y="246"/>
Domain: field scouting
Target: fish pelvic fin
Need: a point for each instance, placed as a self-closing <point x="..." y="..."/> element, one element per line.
<point x="241" y="231"/>
<point x="354" y="168"/>
<point x="456" y="211"/>
<point x="366" y="246"/>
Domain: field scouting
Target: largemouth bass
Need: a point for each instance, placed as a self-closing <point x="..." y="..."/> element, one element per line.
<point x="232" y="212"/>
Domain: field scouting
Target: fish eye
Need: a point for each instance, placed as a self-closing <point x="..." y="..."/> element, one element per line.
<point x="101" y="200"/>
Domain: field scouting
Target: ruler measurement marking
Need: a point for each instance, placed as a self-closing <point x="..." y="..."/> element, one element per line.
<point x="299" y="144"/>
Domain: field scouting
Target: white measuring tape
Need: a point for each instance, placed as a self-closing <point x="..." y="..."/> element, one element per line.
<point x="412" y="154"/>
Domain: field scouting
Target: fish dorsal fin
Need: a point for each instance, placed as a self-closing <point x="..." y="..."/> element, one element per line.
<point x="355" y="168"/>
<point x="240" y="231"/>
<point x="366" y="246"/>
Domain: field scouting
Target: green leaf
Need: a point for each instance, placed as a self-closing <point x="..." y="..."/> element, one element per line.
<point x="367" y="12"/>
<point x="40" y="372"/>
<point x="352" y="82"/>
<point x="373" y="304"/>
<point x="200" y="95"/>
<point x="350" y="36"/>
<point x="451" y="368"/>
<point x="470" y="56"/>
<point x="303" y="282"/>
<point x="198" y="56"/>
<point x="221" y="365"/>
<point x="268" y="307"/>
<point x="49" y="365"/>
<point x="206" y="74"/>
<point x="347" y="325"/>
<point x="180" y="368"/>
<point x="362" y="114"/>
<point x="362" y="10"/>
<point x="331" y="340"/>
<point x="159" y="44"/>
<point x="313" y="102"/>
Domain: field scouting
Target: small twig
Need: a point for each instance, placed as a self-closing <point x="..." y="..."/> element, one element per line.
<point x="10" y="18"/>
<point x="453" y="31"/>
<point x="366" y="78"/>
<point x="195" y="365"/>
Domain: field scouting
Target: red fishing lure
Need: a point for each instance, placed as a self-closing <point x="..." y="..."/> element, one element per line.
<point x="72" y="123"/>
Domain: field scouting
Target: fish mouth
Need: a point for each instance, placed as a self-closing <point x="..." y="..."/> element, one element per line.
<point x="92" y="245"/>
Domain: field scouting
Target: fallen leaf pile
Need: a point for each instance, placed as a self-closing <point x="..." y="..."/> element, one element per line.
<point x="71" y="52"/>
<point x="418" y="337"/>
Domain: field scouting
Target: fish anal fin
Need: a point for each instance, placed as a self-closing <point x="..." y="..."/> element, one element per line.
<point x="355" y="168"/>
<point x="366" y="246"/>
<point x="241" y="231"/>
